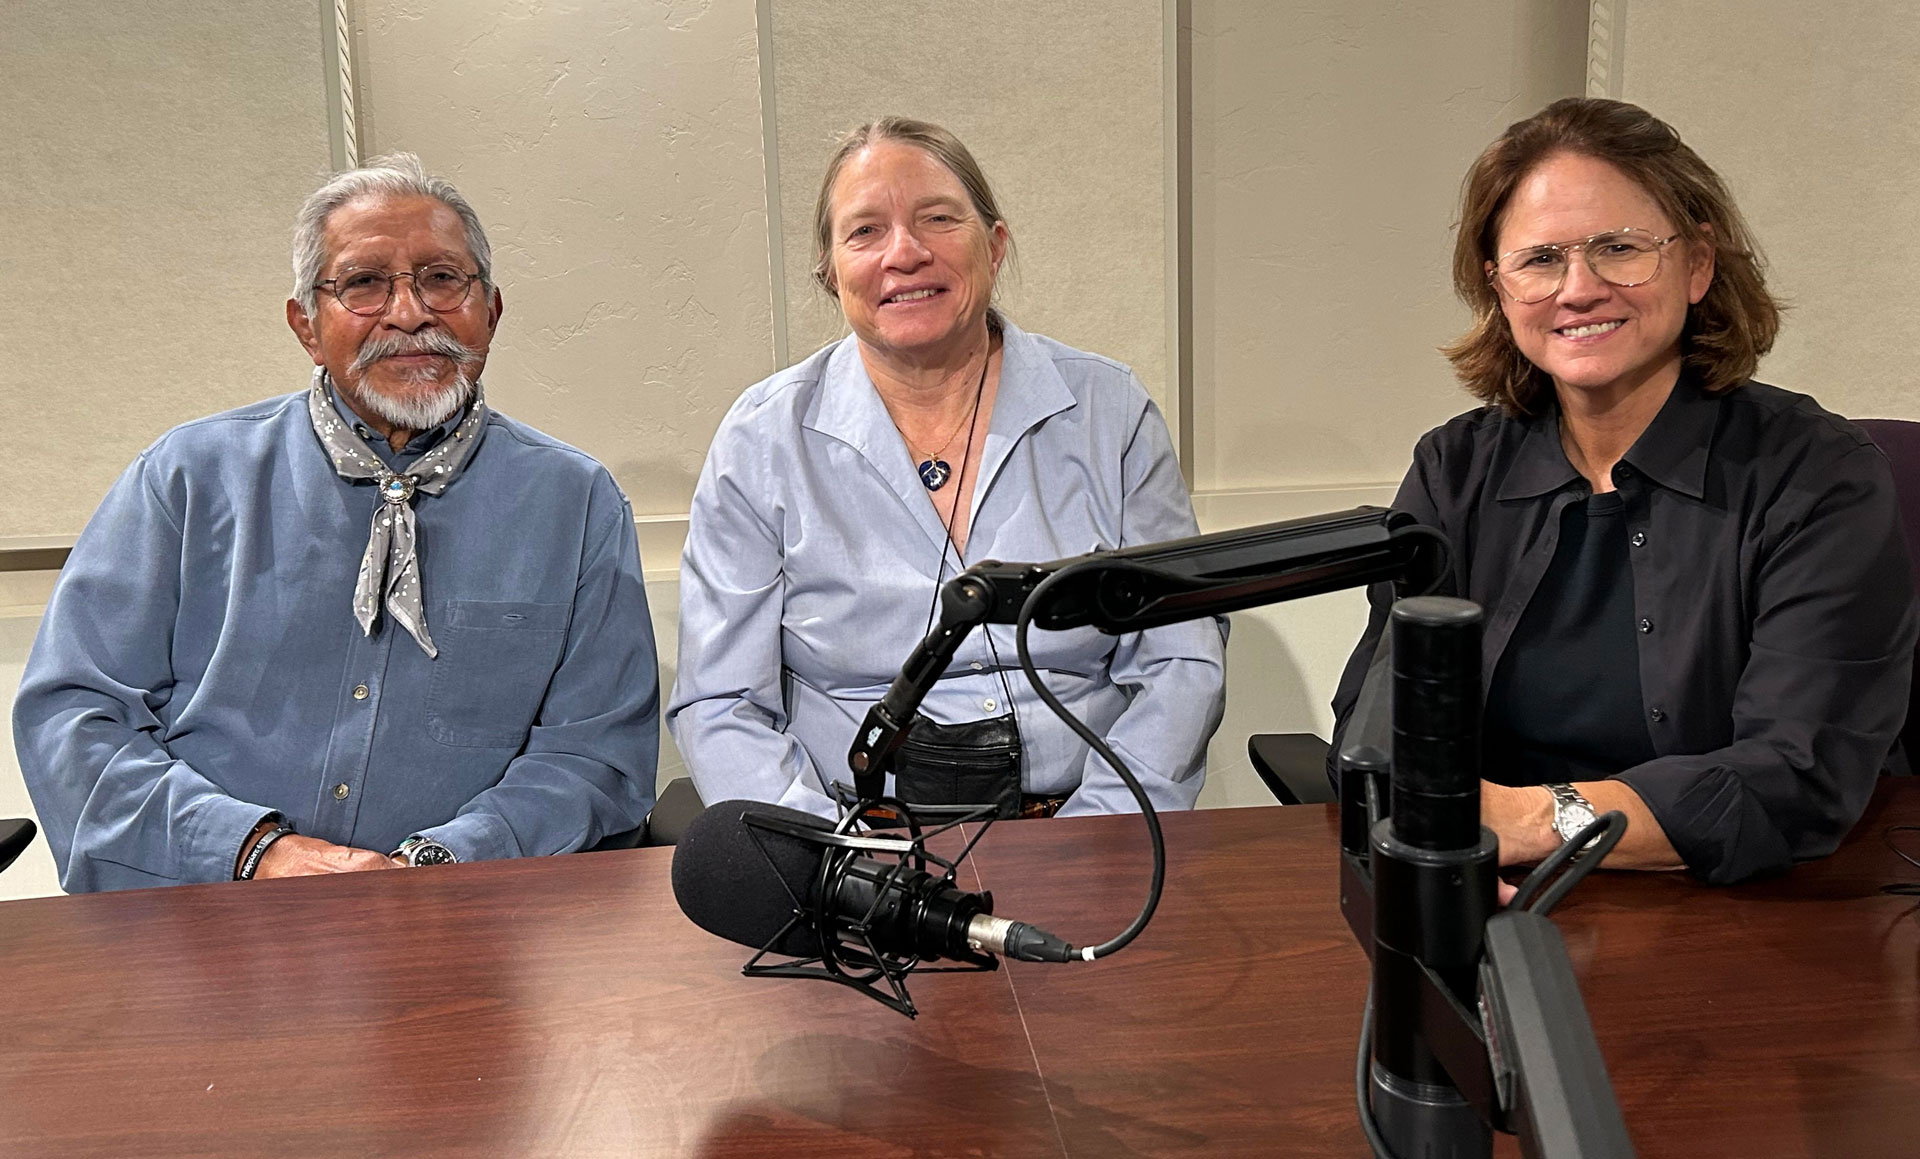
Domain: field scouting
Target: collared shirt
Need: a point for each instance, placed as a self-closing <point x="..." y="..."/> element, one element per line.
<point x="199" y="664"/>
<point x="1774" y="604"/>
<point x="809" y="573"/>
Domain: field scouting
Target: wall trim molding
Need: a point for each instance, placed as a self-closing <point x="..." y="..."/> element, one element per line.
<point x="1176" y="103"/>
<point x="1606" y="48"/>
<point x="770" y="170"/>
<point x="336" y="57"/>
<point x="662" y="537"/>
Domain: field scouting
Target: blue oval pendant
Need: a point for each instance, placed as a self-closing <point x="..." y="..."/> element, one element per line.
<point x="935" y="473"/>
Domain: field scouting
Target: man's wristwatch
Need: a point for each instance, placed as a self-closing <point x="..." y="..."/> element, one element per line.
<point x="418" y="850"/>
<point x="1571" y="811"/>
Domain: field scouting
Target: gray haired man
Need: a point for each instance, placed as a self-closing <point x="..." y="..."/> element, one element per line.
<point x="370" y="623"/>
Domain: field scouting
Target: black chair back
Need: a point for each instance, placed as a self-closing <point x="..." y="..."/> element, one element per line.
<point x="1899" y="439"/>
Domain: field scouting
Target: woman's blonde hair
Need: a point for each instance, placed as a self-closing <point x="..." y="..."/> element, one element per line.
<point x="1725" y="333"/>
<point x="938" y="142"/>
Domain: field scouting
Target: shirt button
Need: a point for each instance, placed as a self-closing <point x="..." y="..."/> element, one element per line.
<point x="1657" y="715"/>
<point x="360" y="692"/>
<point x="1646" y="625"/>
<point x="987" y="704"/>
<point x="340" y="791"/>
<point x="977" y="666"/>
<point x="1639" y="539"/>
<point x="1623" y="471"/>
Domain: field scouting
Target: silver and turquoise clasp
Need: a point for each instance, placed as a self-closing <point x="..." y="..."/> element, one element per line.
<point x="396" y="489"/>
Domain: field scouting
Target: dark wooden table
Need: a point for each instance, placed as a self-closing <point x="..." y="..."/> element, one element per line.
<point x="565" y="1007"/>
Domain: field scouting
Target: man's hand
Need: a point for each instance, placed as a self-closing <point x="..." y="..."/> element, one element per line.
<point x="297" y="856"/>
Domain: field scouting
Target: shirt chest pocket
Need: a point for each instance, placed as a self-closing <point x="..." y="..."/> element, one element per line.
<point x="495" y="662"/>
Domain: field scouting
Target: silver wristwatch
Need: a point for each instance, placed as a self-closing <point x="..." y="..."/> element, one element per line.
<point x="1571" y="811"/>
<point x="418" y="850"/>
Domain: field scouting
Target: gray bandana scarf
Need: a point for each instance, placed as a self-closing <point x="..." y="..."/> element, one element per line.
<point x="392" y="562"/>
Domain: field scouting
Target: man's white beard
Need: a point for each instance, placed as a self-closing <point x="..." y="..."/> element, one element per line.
<point x="419" y="410"/>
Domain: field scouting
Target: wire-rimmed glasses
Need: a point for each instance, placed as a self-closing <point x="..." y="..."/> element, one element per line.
<point x="1620" y="257"/>
<point x="441" y="288"/>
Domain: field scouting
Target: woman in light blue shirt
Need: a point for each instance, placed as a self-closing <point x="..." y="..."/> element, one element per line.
<point x="840" y="493"/>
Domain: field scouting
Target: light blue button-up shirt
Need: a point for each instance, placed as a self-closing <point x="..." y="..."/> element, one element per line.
<point x="199" y="664"/>
<point x="810" y="567"/>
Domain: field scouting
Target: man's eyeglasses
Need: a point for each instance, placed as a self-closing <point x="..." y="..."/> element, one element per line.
<point x="1620" y="257"/>
<point x="441" y="288"/>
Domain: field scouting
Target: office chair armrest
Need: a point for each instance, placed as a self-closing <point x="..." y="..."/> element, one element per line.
<point x="678" y="805"/>
<point x="15" y="836"/>
<point x="1293" y="765"/>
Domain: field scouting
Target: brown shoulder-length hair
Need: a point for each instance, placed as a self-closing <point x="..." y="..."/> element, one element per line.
<point x="1725" y="333"/>
<point x="938" y="142"/>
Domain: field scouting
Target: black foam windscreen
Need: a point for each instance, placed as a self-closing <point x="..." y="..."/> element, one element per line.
<point x="1436" y="722"/>
<point x="740" y="883"/>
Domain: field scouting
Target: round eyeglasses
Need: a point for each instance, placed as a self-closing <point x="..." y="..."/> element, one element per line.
<point x="1619" y="257"/>
<point x="440" y="288"/>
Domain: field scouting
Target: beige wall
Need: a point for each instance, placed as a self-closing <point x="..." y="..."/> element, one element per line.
<point x="1329" y="140"/>
<point x="1812" y="114"/>
<point x="619" y="155"/>
<point x="613" y="151"/>
<point x="1061" y="105"/>
<point x="154" y="155"/>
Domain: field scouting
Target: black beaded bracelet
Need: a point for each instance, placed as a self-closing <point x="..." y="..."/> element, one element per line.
<point x="252" y="863"/>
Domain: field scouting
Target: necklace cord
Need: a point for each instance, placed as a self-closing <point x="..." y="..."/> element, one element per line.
<point x="940" y="568"/>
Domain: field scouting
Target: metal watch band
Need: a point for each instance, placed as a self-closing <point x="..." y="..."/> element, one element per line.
<point x="410" y="849"/>
<point x="1565" y="798"/>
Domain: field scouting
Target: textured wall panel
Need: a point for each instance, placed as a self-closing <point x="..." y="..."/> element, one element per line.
<point x="1812" y="113"/>
<point x="613" y="150"/>
<point x="1329" y="140"/>
<point x="155" y="154"/>
<point x="1060" y="103"/>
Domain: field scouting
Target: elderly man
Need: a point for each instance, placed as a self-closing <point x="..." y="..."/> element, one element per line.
<point x="372" y="623"/>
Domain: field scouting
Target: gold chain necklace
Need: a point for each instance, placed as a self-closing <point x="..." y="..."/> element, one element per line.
<point x="946" y="442"/>
<point x="935" y="471"/>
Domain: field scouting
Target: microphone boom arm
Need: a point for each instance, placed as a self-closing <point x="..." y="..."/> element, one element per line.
<point x="1132" y="589"/>
<point x="965" y="603"/>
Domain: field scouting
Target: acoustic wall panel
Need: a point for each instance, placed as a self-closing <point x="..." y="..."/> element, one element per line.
<point x="155" y="154"/>
<point x="1061" y="103"/>
<point x="1812" y="114"/>
<point x="613" y="151"/>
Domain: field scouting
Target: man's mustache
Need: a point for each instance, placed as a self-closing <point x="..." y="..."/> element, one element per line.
<point x="421" y="342"/>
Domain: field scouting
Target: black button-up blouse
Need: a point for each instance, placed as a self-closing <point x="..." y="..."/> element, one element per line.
<point x="1773" y="594"/>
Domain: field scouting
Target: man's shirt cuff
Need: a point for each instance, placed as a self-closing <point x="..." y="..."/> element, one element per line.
<point x="475" y="837"/>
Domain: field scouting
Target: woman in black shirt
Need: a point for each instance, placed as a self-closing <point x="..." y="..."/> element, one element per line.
<point x="1699" y="605"/>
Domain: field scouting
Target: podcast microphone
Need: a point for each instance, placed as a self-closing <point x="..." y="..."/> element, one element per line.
<point x="803" y="896"/>
<point x="1434" y="875"/>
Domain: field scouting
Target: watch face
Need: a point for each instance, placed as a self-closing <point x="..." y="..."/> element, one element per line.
<point x="433" y="853"/>
<point x="1570" y="818"/>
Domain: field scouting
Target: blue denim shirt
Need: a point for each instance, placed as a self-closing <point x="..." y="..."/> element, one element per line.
<point x="199" y="664"/>
<point x="811" y="562"/>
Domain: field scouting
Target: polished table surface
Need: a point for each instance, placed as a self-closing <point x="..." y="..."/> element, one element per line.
<point x="565" y="1007"/>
